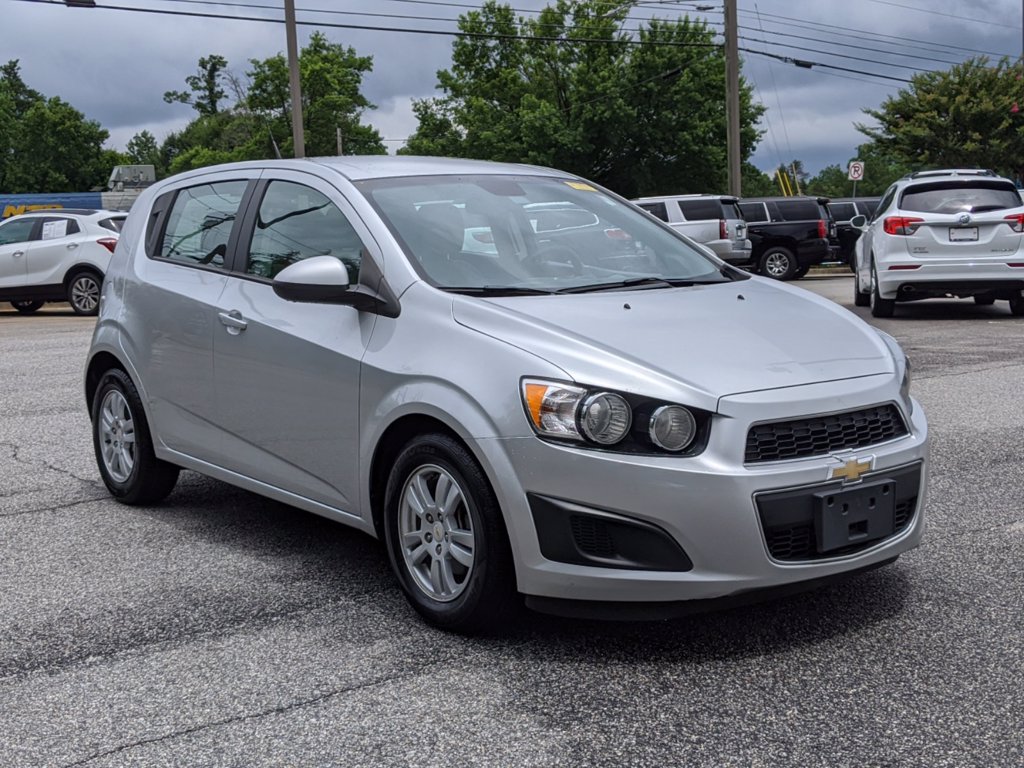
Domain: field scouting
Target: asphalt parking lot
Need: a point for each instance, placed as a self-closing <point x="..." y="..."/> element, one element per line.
<point x="223" y="629"/>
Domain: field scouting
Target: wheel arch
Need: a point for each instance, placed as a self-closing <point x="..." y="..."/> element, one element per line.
<point x="98" y="365"/>
<point x="76" y="269"/>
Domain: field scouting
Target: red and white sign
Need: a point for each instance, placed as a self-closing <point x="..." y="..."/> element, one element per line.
<point x="855" y="171"/>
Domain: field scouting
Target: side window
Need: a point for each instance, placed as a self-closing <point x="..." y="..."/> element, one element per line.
<point x="842" y="211"/>
<point x="296" y="222"/>
<point x="658" y="210"/>
<point x="701" y="209"/>
<point x="199" y="224"/>
<point x="16" y="231"/>
<point x="753" y="212"/>
<point x="886" y="202"/>
<point x="57" y="227"/>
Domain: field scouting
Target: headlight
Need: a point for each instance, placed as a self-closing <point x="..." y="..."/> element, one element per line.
<point x="905" y="384"/>
<point x="672" y="427"/>
<point x="605" y="418"/>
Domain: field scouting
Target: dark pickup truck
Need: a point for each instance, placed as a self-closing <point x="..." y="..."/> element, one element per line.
<point x="789" y="235"/>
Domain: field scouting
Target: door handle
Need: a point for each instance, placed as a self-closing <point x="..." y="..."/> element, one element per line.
<point x="18" y="254"/>
<point x="72" y="246"/>
<point x="233" y="321"/>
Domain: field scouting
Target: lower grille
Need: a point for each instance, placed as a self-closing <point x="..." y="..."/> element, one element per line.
<point x="592" y="536"/>
<point x="797" y="542"/>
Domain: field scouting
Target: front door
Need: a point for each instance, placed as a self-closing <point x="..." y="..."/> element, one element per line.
<point x="15" y="237"/>
<point x="287" y="373"/>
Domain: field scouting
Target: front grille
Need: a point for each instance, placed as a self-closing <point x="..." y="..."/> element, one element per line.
<point x="821" y="435"/>
<point x="797" y="542"/>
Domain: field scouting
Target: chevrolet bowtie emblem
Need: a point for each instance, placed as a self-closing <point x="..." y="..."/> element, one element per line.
<point x="852" y="470"/>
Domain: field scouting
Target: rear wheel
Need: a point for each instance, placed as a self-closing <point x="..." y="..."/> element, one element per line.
<point x="984" y="301"/>
<point x="1017" y="306"/>
<point x="446" y="538"/>
<point x="778" y="263"/>
<point x="84" y="293"/>
<point x="123" y="444"/>
<point x="880" y="307"/>
<point x="801" y="272"/>
<point x="27" y="307"/>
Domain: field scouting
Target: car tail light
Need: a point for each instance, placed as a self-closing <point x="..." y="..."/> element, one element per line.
<point x="110" y="243"/>
<point x="723" y="231"/>
<point x="901" y="225"/>
<point x="1016" y="221"/>
<point x="822" y="228"/>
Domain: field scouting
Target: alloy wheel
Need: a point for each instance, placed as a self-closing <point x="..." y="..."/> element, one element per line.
<point x="117" y="436"/>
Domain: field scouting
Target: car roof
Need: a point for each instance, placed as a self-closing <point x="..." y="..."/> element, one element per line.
<point x="76" y="212"/>
<point x="362" y="167"/>
<point x="781" y="198"/>
<point x="695" y="196"/>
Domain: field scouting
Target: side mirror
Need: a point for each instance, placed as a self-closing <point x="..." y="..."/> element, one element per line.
<point x="324" y="280"/>
<point x="860" y="221"/>
<point x="320" y="279"/>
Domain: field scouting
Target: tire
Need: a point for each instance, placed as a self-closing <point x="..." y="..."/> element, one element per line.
<point x="880" y="307"/>
<point x="801" y="272"/>
<point x="984" y="301"/>
<point x="123" y="444"/>
<point x="1017" y="306"/>
<point x="84" y="292"/>
<point x="464" y="581"/>
<point x="778" y="263"/>
<point x="27" y="307"/>
<point x="860" y="298"/>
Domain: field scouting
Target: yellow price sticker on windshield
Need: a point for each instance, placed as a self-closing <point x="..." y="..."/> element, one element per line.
<point x="581" y="185"/>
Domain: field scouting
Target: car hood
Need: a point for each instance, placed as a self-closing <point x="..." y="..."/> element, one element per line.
<point x="709" y="341"/>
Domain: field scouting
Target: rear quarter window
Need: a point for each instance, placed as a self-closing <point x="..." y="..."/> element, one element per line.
<point x="800" y="210"/>
<point x="658" y="210"/>
<point x="957" y="197"/>
<point x="114" y="224"/>
<point x="701" y="210"/>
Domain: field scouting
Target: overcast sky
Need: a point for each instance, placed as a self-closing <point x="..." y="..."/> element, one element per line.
<point x="114" y="65"/>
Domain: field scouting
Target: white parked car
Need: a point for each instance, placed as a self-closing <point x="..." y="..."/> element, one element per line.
<point x="949" y="233"/>
<point x="59" y="255"/>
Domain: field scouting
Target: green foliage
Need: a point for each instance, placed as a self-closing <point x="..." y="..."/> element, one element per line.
<point x="143" y="149"/>
<point x="644" y="119"/>
<point x="965" y="117"/>
<point x="331" y="76"/>
<point x="756" y="183"/>
<point x="205" y="92"/>
<point x="831" y="181"/>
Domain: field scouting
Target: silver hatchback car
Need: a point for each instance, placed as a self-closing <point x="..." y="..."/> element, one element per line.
<point x="601" y="417"/>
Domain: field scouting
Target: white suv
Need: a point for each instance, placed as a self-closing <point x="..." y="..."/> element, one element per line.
<point x="950" y="233"/>
<point x="58" y="255"/>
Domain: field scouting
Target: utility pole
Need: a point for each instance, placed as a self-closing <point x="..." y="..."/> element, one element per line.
<point x="340" y="146"/>
<point x="298" y="138"/>
<point x="732" y="97"/>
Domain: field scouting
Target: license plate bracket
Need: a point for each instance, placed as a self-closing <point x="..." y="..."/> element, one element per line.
<point x="963" y="234"/>
<point x="855" y="515"/>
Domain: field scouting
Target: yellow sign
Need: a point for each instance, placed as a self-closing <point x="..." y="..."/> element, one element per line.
<point x="17" y="210"/>
<point x="581" y="185"/>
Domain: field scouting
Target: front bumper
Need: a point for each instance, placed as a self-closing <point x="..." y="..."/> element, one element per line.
<point x="707" y="504"/>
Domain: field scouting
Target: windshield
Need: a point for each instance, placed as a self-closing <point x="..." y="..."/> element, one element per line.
<point x="529" y="234"/>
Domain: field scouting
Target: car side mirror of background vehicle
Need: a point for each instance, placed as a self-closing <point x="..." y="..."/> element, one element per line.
<point x="324" y="280"/>
<point x="860" y="221"/>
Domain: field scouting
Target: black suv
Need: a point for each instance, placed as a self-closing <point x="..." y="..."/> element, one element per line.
<point x="789" y="235"/>
<point x="844" y="209"/>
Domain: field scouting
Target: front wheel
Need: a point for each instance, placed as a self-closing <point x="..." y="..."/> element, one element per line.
<point x="1017" y="306"/>
<point x="801" y="272"/>
<point x="778" y="263"/>
<point x="446" y="538"/>
<point x="984" y="301"/>
<point x="84" y="293"/>
<point x="27" y="307"/>
<point x="123" y="444"/>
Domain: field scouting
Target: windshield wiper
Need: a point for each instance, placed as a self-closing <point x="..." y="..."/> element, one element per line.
<point x="496" y="290"/>
<point x="638" y="282"/>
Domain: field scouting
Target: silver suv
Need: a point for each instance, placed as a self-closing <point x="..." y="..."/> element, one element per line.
<point x="713" y="220"/>
<point x="949" y="233"/>
<point x="588" y="414"/>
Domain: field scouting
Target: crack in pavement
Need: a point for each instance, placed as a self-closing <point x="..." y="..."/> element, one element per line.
<point x="283" y="709"/>
<point x="15" y="455"/>
<point x="56" y="508"/>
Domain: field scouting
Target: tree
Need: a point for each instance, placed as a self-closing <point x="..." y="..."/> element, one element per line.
<point x="831" y="181"/>
<point x="968" y="116"/>
<point x="143" y="149"/>
<point x="331" y="76"/>
<point x="576" y="95"/>
<point x="756" y="183"/>
<point x="205" y="92"/>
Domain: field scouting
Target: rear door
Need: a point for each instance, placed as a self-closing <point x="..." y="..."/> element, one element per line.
<point x="58" y="242"/>
<point x="960" y="219"/>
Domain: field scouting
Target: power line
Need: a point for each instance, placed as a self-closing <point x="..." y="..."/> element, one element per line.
<point x="938" y="13"/>
<point x="803" y="64"/>
<point x="839" y="55"/>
